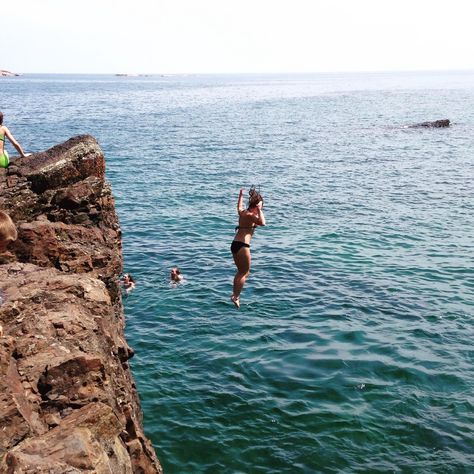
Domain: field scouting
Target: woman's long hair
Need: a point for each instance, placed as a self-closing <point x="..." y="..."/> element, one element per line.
<point x="254" y="197"/>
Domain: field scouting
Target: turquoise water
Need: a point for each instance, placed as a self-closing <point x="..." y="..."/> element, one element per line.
<point x="352" y="351"/>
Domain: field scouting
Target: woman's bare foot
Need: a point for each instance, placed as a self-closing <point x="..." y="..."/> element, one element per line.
<point x="236" y="301"/>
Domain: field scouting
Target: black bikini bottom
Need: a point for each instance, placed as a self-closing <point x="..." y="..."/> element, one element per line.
<point x="237" y="245"/>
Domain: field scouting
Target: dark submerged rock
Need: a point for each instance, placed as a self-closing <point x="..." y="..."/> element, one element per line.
<point x="436" y="124"/>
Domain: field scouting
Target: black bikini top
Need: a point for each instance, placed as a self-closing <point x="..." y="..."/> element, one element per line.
<point x="238" y="227"/>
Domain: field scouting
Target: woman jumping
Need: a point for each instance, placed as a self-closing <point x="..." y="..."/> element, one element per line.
<point x="249" y="219"/>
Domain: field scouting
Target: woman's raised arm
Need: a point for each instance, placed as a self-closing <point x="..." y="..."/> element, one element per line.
<point x="258" y="218"/>
<point x="240" y="202"/>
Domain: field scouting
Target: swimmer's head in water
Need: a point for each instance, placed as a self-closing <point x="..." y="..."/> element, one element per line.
<point x="176" y="274"/>
<point x="254" y="197"/>
<point x="1" y="118"/>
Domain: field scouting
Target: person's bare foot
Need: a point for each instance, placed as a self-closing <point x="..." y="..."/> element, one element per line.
<point x="236" y="301"/>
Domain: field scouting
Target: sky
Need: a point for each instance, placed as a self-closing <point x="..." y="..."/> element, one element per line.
<point x="230" y="36"/>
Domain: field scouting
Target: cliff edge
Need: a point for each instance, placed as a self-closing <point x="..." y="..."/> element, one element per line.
<point x="68" y="402"/>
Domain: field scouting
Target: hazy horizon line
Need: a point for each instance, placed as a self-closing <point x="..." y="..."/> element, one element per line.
<point x="220" y="73"/>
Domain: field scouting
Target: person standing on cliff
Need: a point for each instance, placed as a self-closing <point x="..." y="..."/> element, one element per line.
<point x="249" y="220"/>
<point x="4" y="132"/>
<point x="8" y="234"/>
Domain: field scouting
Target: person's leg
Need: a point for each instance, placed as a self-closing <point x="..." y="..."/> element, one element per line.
<point x="242" y="262"/>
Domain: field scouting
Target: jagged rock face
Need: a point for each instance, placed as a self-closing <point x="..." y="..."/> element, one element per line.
<point x="67" y="398"/>
<point x="64" y="210"/>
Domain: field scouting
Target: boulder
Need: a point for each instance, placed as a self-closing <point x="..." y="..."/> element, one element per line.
<point x="436" y="124"/>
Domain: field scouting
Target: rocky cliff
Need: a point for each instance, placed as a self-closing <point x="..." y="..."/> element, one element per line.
<point x="68" y="402"/>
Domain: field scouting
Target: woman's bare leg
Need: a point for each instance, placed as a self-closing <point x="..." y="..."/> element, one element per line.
<point x="242" y="261"/>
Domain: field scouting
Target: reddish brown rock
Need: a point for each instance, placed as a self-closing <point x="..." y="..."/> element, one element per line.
<point x="67" y="397"/>
<point x="86" y="440"/>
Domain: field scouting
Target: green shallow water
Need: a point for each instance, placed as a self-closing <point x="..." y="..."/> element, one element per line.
<point x="352" y="351"/>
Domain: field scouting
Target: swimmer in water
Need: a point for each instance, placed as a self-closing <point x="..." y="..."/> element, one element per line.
<point x="175" y="275"/>
<point x="128" y="282"/>
<point x="249" y="219"/>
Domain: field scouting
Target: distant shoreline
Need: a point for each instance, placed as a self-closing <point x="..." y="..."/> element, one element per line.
<point x="5" y="73"/>
<point x="245" y="73"/>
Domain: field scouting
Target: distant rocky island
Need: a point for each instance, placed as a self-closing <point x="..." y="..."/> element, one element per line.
<point x="68" y="401"/>
<point x="435" y="124"/>
<point x="132" y="75"/>
<point x="4" y="73"/>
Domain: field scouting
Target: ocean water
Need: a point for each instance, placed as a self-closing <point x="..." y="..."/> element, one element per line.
<point x="352" y="351"/>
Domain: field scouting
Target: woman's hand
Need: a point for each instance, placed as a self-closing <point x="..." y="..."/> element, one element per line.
<point x="240" y="201"/>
